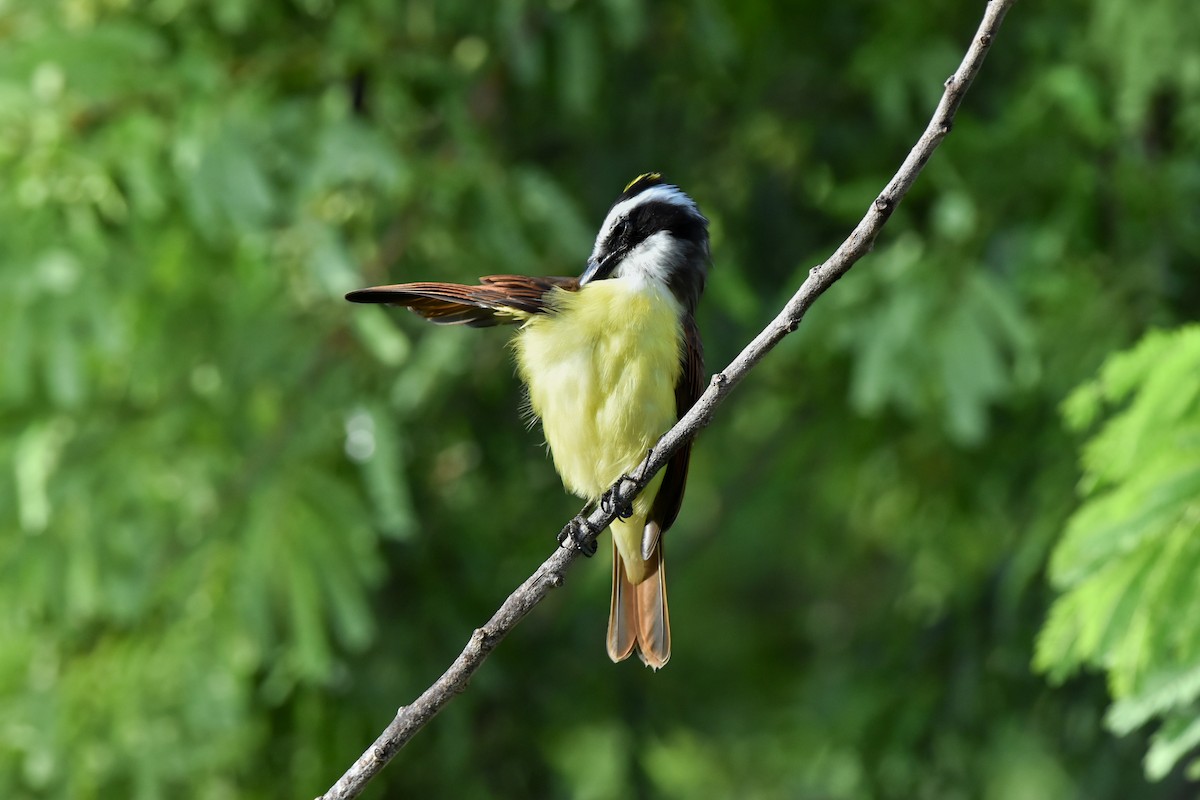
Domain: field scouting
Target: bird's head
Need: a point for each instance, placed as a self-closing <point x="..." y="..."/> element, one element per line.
<point x="653" y="232"/>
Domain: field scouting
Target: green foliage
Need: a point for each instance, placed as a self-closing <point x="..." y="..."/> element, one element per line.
<point x="952" y="349"/>
<point x="1128" y="562"/>
<point x="241" y="521"/>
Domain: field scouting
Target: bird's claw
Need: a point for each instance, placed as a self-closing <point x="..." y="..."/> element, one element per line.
<point x="608" y="500"/>
<point x="577" y="531"/>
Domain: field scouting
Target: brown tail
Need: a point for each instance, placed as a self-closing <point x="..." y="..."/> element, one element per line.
<point x="638" y="618"/>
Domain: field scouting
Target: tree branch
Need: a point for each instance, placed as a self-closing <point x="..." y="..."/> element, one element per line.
<point x="411" y="718"/>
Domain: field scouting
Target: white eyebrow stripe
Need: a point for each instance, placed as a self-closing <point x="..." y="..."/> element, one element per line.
<point x="663" y="193"/>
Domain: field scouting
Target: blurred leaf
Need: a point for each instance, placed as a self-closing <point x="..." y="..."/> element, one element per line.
<point x="1178" y="737"/>
<point x="1128" y="560"/>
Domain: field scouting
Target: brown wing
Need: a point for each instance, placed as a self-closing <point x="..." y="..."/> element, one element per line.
<point x="689" y="388"/>
<point x="498" y="299"/>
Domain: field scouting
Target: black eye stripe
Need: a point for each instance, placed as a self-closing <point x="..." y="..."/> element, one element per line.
<point x="655" y="217"/>
<point x="622" y="237"/>
<point x="648" y="219"/>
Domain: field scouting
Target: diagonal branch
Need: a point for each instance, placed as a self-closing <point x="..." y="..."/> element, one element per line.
<point x="411" y="718"/>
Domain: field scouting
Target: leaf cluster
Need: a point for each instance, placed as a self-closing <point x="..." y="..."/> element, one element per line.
<point x="1128" y="560"/>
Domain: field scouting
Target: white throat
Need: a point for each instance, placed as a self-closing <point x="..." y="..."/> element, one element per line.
<point x="652" y="261"/>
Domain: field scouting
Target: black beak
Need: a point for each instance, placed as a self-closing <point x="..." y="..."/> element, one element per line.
<point x="597" y="269"/>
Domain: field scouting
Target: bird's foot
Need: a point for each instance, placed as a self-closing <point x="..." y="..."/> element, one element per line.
<point x="577" y="531"/>
<point x="608" y="500"/>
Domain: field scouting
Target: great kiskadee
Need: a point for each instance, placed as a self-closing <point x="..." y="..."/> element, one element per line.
<point x="611" y="359"/>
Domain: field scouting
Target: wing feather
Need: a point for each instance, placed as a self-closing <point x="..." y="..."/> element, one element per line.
<point x="498" y="299"/>
<point x="687" y="391"/>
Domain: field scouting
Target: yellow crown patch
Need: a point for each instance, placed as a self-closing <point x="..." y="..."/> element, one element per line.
<point x="645" y="176"/>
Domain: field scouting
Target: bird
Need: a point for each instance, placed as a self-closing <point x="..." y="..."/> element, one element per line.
<point x="610" y="360"/>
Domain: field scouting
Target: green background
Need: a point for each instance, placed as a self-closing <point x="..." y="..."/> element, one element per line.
<point x="943" y="543"/>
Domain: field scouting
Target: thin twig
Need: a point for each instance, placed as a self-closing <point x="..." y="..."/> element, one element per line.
<point x="410" y="719"/>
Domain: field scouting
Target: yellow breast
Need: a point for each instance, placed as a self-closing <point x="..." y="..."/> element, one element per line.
<point x="601" y="371"/>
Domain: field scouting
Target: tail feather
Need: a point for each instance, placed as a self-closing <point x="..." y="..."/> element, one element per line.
<point x="622" y="618"/>
<point x="638" y="617"/>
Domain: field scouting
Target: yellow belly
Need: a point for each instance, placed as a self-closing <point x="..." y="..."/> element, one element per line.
<point x="601" y="372"/>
